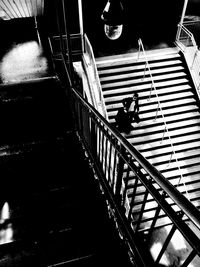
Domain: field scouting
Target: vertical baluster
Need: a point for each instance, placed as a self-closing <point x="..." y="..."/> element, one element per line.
<point x="106" y="155"/>
<point x="120" y="170"/>
<point x="109" y="162"/>
<point x="133" y="198"/>
<point x="86" y="125"/>
<point x="99" y="145"/>
<point x="125" y="185"/>
<point x="139" y="220"/>
<point x="114" y="169"/>
<point x="102" y="151"/>
<point x="93" y="139"/>
<point x="80" y="117"/>
<point x="89" y="118"/>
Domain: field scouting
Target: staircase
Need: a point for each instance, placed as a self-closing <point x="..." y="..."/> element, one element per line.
<point x="120" y="76"/>
<point x="51" y="210"/>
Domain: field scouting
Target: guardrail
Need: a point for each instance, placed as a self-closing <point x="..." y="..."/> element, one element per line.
<point x="186" y="42"/>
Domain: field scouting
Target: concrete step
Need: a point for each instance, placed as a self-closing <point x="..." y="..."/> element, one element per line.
<point x="153" y="55"/>
<point x="131" y="82"/>
<point x="166" y="114"/>
<point x="134" y="67"/>
<point x="166" y="150"/>
<point x="148" y="106"/>
<point x="151" y="96"/>
<point x="144" y="103"/>
<point x="143" y="74"/>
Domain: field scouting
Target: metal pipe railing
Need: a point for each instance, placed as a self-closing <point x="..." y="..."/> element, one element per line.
<point x="147" y="65"/>
<point x="190" y="51"/>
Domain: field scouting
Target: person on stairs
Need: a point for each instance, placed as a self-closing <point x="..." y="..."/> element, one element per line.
<point x="127" y="113"/>
<point x="123" y="120"/>
<point x="132" y="106"/>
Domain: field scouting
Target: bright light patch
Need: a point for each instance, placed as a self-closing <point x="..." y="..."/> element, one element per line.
<point x="23" y="62"/>
<point x="177" y="240"/>
<point x="3" y="15"/>
<point x="155" y="249"/>
<point x="6" y="234"/>
<point x="5" y="212"/>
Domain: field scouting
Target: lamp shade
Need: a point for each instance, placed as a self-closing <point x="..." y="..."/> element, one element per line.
<point x="113" y="17"/>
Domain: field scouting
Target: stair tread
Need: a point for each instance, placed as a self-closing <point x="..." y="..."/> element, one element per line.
<point x="147" y="79"/>
<point x="172" y="126"/>
<point x="192" y="145"/>
<point x="145" y="101"/>
<point x="175" y="133"/>
<point x="174" y="172"/>
<point x="148" y="106"/>
<point x="133" y="67"/>
<point x="168" y="114"/>
<point x="152" y="55"/>
<point x="181" y="161"/>
<point x="147" y="98"/>
<point x="157" y="143"/>
<point x="147" y="86"/>
<point x="121" y="76"/>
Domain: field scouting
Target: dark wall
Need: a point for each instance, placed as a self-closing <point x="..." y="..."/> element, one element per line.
<point x="154" y="21"/>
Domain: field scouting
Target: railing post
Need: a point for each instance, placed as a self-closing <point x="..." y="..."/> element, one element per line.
<point x="182" y="17"/>
<point x="139" y="48"/>
<point x="80" y="12"/>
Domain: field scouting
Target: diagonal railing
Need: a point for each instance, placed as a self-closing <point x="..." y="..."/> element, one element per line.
<point x="166" y="130"/>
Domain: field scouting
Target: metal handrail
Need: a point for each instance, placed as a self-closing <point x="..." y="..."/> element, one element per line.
<point x="89" y="60"/>
<point x="162" y="114"/>
<point x="191" y="55"/>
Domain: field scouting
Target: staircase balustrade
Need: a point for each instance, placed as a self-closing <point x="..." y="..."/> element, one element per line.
<point x="111" y="156"/>
<point x="93" y="77"/>
<point x="153" y="87"/>
<point x="186" y="42"/>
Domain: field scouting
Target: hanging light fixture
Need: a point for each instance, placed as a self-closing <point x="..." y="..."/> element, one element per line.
<point x="113" y="19"/>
